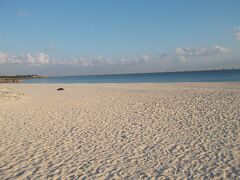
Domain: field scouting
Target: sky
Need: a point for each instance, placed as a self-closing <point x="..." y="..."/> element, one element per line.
<point x="82" y="37"/>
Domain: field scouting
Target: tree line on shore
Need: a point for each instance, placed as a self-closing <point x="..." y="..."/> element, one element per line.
<point x="17" y="78"/>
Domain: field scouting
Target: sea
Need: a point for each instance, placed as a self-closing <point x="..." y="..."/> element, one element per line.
<point x="160" y="77"/>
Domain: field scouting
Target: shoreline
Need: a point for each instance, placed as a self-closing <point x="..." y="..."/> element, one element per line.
<point x="129" y="84"/>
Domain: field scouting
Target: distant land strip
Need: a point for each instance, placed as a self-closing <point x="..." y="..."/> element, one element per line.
<point x="18" y="78"/>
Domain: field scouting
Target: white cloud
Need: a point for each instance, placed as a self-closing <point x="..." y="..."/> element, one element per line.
<point x="28" y="58"/>
<point x="184" y="53"/>
<point x="40" y="58"/>
<point x="125" y="61"/>
<point x="101" y="61"/>
<point x="146" y="57"/>
<point x="222" y="50"/>
<point x="180" y="51"/>
<point x="86" y="61"/>
<point x="8" y="59"/>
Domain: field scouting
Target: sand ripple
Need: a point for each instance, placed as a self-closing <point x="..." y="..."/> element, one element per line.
<point x="122" y="132"/>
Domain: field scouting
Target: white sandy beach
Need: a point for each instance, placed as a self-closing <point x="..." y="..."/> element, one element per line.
<point x="120" y="131"/>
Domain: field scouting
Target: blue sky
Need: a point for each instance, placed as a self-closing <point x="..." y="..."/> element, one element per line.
<point x="117" y="36"/>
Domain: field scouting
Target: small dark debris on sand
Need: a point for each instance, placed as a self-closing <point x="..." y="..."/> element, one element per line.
<point x="60" y="89"/>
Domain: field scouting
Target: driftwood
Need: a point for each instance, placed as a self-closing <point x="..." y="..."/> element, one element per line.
<point x="60" y="89"/>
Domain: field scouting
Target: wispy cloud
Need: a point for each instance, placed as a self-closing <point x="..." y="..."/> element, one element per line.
<point x="22" y="13"/>
<point x="49" y="49"/>
<point x="237" y="32"/>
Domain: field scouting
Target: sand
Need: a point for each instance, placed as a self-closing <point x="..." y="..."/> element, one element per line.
<point x="120" y="131"/>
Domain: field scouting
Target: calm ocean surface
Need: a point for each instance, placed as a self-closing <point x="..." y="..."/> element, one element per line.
<point x="166" y="77"/>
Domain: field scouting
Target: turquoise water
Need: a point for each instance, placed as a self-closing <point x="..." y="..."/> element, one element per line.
<point x="166" y="77"/>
